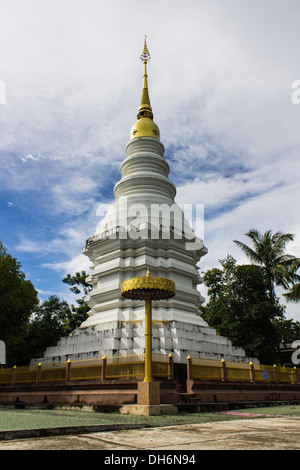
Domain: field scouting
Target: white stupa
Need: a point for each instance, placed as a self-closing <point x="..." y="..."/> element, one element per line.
<point x="144" y="228"/>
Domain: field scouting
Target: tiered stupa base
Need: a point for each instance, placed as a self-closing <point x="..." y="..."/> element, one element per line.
<point x="121" y="338"/>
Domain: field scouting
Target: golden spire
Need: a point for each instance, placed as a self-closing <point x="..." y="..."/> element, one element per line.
<point x="145" y="127"/>
<point x="145" y="109"/>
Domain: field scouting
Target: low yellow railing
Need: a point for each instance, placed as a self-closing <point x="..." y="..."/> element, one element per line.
<point x="116" y="367"/>
<point x="160" y="369"/>
<point x="5" y="375"/>
<point x="205" y="369"/>
<point x="90" y="372"/>
<point x="265" y="373"/>
<point x="122" y="367"/>
<point x="56" y="374"/>
<point x="125" y="369"/>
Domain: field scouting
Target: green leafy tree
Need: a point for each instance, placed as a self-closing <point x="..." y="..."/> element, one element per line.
<point x="239" y="308"/>
<point x="55" y="318"/>
<point x="78" y="285"/>
<point x="18" y="299"/>
<point x="289" y="330"/>
<point x="47" y="325"/>
<point x="268" y="252"/>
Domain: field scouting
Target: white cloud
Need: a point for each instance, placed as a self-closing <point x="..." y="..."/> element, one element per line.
<point x="76" y="264"/>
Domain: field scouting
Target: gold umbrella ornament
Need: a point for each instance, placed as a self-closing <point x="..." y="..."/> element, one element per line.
<point x="148" y="288"/>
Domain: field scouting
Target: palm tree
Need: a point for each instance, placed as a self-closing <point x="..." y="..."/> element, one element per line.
<point x="294" y="294"/>
<point x="268" y="252"/>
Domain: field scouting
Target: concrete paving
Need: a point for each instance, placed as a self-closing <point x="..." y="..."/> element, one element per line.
<point x="254" y="434"/>
<point x="260" y="429"/>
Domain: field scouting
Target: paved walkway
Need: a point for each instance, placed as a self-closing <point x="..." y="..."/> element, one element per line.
<point x="267" y="428"/>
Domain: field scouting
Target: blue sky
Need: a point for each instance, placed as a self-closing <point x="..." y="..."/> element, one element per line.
<point x="220" y="80"/>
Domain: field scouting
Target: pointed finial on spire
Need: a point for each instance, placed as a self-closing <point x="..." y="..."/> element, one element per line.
<point x="145" y="55"/>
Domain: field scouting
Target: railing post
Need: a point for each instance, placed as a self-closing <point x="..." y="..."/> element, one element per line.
<point x="189" y="368"/>
<point x="223" y="370"/>
<point x="38" y="373"/>
<point x="252" y="373"/>
<point x="292" y="375"/>
<point x="296" y="375"/>
<point x="103" y="368"/>
<point x="13" y="375"/>
<point x="276" y="374"/>
<point x="171" y="367"/>
<point x="68" y="368"/>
